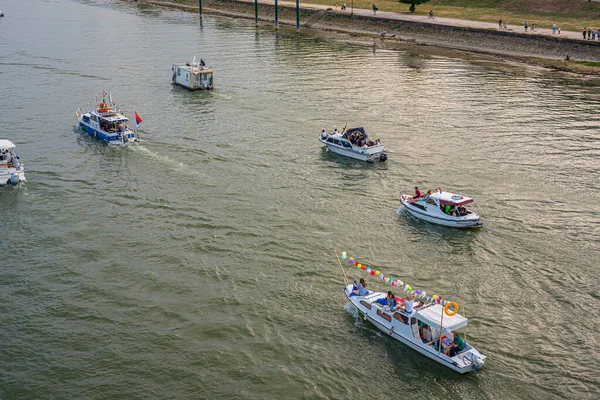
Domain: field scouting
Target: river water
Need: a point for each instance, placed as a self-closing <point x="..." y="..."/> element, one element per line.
<point x="200" y="263"/>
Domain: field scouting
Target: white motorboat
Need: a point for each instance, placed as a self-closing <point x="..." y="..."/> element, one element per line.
<point x="354" y="143"/>
<point x="11" y="167"/>
<point x="442" y="208"/>
<point x="420" y="329"/>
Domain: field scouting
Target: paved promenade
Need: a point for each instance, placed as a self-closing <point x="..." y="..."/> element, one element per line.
<point x="423" y="18"/>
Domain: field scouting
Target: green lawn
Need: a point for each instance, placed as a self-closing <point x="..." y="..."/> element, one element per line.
<point x="572" y="15"/>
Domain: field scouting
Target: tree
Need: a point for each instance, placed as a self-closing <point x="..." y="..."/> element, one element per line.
<point x="413" y="3"/>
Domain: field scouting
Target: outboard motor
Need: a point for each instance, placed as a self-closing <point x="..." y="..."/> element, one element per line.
<point x="382" y="157"/>
<point x="1" y="13"/>
<point x="14" y="178"/>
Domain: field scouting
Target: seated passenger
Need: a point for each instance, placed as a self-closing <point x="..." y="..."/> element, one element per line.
<point x="323" y="134"/>
<point x="456" y="346"/>
<point x="385" y="301"/>
<point x="335" y="131"/>
<point x="408" y="304"/>
<point x="416" y="195"/>
<point x="461" y="211"/>
<point x="364" y="147"/>
<point x="361" y="288"/>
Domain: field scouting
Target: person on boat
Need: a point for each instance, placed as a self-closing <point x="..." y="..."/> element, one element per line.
<point x="457" y="345"/>
<point x="335" y="131"/>
<point x="417" y="195"/>
<point x="323" y="134"/>
<point x="388" y="300"/>
<point x="461" y="211"/>
<point x="360" y="289"/>
<point x="202" y="63"/>
<point x="365" y="147"/>
<point x="408" y="304"/>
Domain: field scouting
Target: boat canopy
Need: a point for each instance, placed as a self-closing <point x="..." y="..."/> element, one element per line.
<point x="355" y="130"/>
<point x="6" y="144"/>
<point x="432" y="316"/>
<point x="451" y="199"/>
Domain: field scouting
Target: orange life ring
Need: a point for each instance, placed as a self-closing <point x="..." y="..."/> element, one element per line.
<point x="452" y="303"/>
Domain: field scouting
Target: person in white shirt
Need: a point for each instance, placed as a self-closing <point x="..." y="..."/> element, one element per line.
<point x="408" y="304"/>
<point x="323" y="134"/>
<point x="335" y="131"/>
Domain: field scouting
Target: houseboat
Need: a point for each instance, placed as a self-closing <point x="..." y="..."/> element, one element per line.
<point x="420" y="328"/>
<point x="354" y="143"/>
<point x="193" y="75"/>
<point x="11" y="167"/>
<point x="106" y="123"/>
<point x="442" y="208"/>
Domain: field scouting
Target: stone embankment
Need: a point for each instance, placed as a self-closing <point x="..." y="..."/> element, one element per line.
<point x="489" y="41"/>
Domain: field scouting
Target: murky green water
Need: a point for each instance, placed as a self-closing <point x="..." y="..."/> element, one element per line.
<point x="200" y="264"/>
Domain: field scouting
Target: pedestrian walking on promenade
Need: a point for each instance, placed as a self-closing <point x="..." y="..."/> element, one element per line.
<point x="584" y="33"/>
<point x="526" y="25"/>
<point x="593" y="34"/>
<point x="559" y="30"/>
<point x="374" y="9"/>
<point x="554" y="29"/>
<point x="500" y="24"/>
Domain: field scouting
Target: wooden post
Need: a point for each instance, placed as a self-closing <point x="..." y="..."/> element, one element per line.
<point x="276" y="15"/>
<point x="352" y="12"/>
<point x="297" y="15"/>
<point x="441" y="330"/>
<point x="256" y="12"/>
<point x="200" y="7"/>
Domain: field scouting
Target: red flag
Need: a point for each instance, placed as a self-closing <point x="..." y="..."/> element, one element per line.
<point x="138" y="120"/>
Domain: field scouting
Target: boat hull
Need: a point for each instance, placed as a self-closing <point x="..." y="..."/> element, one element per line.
<point x="362" y="156"/>
<point x="449" y="221"/>
<point x="111" y="138"/>
<point x="6" y="176"/>
<point x="460" y="364"/>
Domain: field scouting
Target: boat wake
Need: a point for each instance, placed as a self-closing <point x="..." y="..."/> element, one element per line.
<point x="351" y="310"/>
<point x="400" y="210"/>
<point x="162" y="158"/>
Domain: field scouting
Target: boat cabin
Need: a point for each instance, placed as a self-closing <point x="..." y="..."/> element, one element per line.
<point x="107" y="119"/>
<point x="450" y="203"/>
<point x="193" y="76"/>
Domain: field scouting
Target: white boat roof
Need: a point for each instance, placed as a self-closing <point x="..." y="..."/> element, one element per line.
<point x="432" y="315"/>
<point x="6" y="144"/>
<point x="453" y="198"/>
<point x="110" y="116"/>
<point x="195" y="69"/>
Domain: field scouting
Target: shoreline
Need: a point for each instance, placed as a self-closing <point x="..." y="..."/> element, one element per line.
<point x="533" y="50"/>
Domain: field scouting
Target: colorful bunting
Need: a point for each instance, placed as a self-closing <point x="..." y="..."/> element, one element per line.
<point x="421" y="294"/>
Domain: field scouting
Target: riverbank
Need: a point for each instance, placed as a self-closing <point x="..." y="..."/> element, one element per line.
<point x="546" y="51"/>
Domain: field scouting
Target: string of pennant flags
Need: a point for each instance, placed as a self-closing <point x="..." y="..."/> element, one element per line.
<point x="103" y="97"/>
<point x="420" y="294"/>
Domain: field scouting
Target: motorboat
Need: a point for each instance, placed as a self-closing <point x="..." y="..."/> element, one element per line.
<point x="420" y="329"/>
<point x="442" y="208"/>
<point x="193" y="75"/>
<point x="354" y="143"/>
<point x="11" y="168"/>
<point x="106" y="122"/>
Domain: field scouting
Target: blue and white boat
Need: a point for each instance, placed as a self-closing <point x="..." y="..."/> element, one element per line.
<point x="106" y="123"/>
